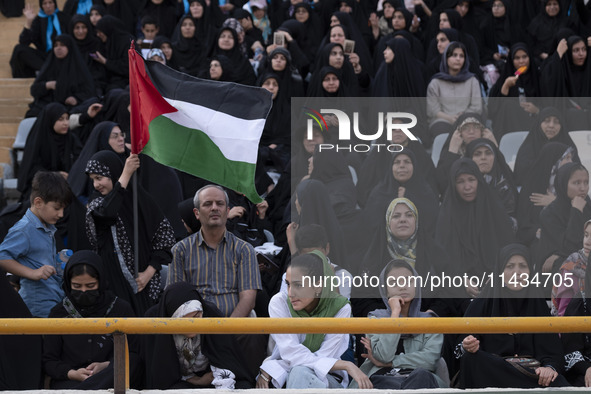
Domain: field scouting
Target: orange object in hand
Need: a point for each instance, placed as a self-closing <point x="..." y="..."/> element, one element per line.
<point x="520" y="70"/>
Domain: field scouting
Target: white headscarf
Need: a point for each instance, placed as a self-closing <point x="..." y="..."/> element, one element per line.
<point x="191" y="358"/>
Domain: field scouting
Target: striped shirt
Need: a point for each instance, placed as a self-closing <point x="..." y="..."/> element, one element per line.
<point x="219" y="274"/>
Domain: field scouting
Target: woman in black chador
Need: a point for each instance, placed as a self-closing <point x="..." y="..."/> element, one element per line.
<point x="472" y="223"/>
<point x="109" y="227"/>
<point x="483" y="357"/>
<point x="189" y="360"/>
<point x="561" y="221"/>
<point x="64" y="78"/>
<point x="549" y="126"/>
<point x="85" y="362"/>
<point x="50" y="146"/>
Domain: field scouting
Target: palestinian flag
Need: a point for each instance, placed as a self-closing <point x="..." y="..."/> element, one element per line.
<point x="205" y="128"/>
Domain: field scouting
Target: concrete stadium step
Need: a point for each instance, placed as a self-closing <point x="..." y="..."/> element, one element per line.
<point x="13" y="110"/>
<point x="5" y="154"/>
<point x="8" y="129"/>
<point x="5" y="71"/>
<point x="15" y="88"/>
<point x="6" y="141"/>
<point x="9" y="33"/>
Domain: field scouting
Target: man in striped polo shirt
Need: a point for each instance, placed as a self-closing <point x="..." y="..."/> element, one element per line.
<point x="222" y="266"/>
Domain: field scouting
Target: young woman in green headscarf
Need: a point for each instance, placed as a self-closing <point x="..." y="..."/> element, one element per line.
<point x="309" y="360"/>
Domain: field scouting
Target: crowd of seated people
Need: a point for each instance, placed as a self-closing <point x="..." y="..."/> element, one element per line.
<point x="484" y="68"/>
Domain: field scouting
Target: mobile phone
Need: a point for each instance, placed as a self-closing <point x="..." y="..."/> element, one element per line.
<point x="93" y="55"/>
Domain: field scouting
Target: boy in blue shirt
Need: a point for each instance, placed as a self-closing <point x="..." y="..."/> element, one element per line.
<point x="29" y="249"/>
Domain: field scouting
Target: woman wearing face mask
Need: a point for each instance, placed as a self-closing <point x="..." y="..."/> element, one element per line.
<point x="85" y="362"/>
<point x="482" y="357"/>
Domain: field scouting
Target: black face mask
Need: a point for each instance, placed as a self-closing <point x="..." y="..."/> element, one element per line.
<point x="85" y="298"/>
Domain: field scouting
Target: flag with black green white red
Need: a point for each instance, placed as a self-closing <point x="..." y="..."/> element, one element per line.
<point x="205" y="128"/>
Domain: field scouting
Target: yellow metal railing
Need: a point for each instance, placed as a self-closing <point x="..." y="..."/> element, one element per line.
<point x="122" y="326"/>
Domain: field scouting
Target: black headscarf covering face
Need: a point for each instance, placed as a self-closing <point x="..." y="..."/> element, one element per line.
<point x="473" y="231"/>
<point x="106" y="298"/>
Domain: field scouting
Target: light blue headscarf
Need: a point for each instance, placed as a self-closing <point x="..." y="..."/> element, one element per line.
<point x="53" y="23"/>
<point x="84" y="7"/>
